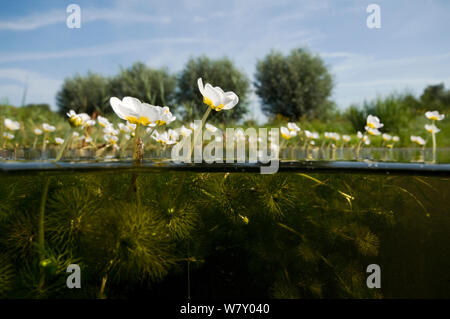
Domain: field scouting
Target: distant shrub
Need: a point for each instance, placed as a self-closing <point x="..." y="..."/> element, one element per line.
<point x="84" y="94"/>
<point x="154" y="86"/>
<point x="295" y="85"/>
<point x="435" y="97"/>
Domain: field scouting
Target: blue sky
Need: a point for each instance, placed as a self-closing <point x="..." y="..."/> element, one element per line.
<point x="408" y="52"/>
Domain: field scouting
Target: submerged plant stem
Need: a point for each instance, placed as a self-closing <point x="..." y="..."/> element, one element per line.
<point x="41" y="230"/>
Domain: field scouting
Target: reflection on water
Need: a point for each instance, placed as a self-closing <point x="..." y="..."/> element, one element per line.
<point x="402" y="155"/>
<point x="169" y="234"/>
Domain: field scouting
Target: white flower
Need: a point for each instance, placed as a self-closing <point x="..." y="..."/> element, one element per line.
<point x="373" y="122"/>
<point x="75" y="134"/>
<point x="12" y="125"/>
<point x="131" y="126"/>
<point x="418" y="140"/>
<point x="434" y="115"/>
<point x="88" y="139"/>
<point x="185" y="131"/>
<point x="165" y="116"/>
<point x="335" y="136"/>
<point x="58" y="140"/>
<point x="216" y="98"/>
<point x="173" y="135"/>
<point x="386" y="137"/>
<point x="88" y="123"/>
<point x="395" y="139"/>
<point x="75" y="119"/>
<point x="134" y="111"/>
<point x="48" y="128"/>
<point x="163" y="138"/>
<point x="211" y="128"/>
<point x="123" y="128"/>
<point x="286" y="133"/>
<point x="432" y="128"/>
<point x="85" y="118"/>
<point x="346" y="138"/>
<point x="110" y="130"/>
<point x="366" y="140"/>
<point x="192" y="126"/>
<point x="311" y="135"/>
<point x="8" y="136"/>
<point x="110" y="139"/>
<point x="293" y="127"/>
<point x="372" y="131"/>
<point x="37" y="131"/>
<point x="103" y="121"/>
<point x="359" y="135"/>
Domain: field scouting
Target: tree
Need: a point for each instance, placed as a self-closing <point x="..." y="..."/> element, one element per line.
<point x="154" y="86"/>
<point x="84" y="94"/>
<point x="218" y="72"/>
<point x="435" y="97"/>
<point x="295" y="85"/>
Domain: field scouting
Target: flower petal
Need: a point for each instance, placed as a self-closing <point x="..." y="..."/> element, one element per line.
<point x="200" y="86"/>
<point x="122" y="110"/>
<point x="231" y="99"/>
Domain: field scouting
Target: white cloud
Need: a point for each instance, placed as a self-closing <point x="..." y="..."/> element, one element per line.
<point x="99" y="50"/>
<point x="113" y="15"/>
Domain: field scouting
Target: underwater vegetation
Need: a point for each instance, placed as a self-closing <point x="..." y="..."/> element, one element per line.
<point x="172" y="234"/>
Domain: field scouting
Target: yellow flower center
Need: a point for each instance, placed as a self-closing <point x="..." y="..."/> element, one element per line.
<point x="371" y="125"/>
<point x="210" y="103"/>
<point x="285" y="136"/>
<point x="160" y="122"/>
<point x="75" y="121"/>
<point x="142" y="120"/>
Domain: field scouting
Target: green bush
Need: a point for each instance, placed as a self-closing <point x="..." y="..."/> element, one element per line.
<point x="295" y="85"/>
<point x="84" y="94"/>
<point x="435" y="97"/>
<point x="154" y="86"/>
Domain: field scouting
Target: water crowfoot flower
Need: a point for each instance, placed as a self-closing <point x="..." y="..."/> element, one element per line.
<point x="293" y="127"/>
<point x="433" y="116"/>
<point x="8" y="136"/>
<point x="103" y="121"/>
<point x="140" y="114"/>
<point x="11" y="125"/>
<point x="217" y="100"/>
<point x="418" y="140"/>
<point x="286" y="133"/>
<point x="134" y="111"/>
<point x="47" y="128"/>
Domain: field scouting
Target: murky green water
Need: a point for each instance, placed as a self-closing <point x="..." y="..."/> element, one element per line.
<point x="174" y="234"/>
